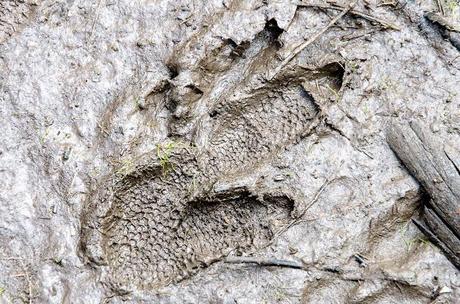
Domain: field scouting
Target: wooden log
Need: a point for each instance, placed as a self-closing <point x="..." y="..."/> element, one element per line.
<point x="437" y="169"/>
<point x="426" y="159"/>
<point x="455" y="259"/>
<point x="438" y="227"/>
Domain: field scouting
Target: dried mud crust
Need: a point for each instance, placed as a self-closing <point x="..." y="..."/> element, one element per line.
<point x="14" y="13"/>
<point x="161" y="219"/>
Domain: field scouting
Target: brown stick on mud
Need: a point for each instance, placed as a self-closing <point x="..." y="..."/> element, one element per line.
<point x="435" y="168"/>
<point x="437" y="225"/>
<point x="432" y="237"/>
<point x="440" y="7"/>
<point x="264" y="262"/>
<point x="356" y="13"/>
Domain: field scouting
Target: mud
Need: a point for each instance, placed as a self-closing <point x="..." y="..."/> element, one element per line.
<point x="14" y="15"/>
<point x="144" y="142"/>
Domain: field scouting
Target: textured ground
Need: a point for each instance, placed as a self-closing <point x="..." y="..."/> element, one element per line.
<point x="144" y="141"/>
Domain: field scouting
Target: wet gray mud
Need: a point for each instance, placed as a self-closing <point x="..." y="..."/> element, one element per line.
<point x="144" y="142"/>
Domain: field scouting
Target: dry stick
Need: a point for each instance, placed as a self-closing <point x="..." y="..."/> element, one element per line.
<point x="313" y="201"/>
<point x="452" y="61"/>
<point x="351" y="37"/>
<point x="298" y="219"/>
<point x="271" y="262"/>
<point x="440" y="7"/>
<point x="302" y="46"/>
<point x="10" y="258"/>
<point x="389" y="3"/>
<point x="316" y="197"/>
<point x="364" y="15"/>
<point x="264" y="262"/>
<point x="94" y="20"/>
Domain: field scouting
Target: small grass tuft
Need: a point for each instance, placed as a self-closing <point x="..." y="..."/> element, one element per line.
<point x="127" y="166"/>
<point x="415" y="241"/>
<point x="336" y="94"/>
<point x="452" y="5"/>
<point x="353" y="65"/>
<point x="164" y="153"/>
<point x="44" y="135"/>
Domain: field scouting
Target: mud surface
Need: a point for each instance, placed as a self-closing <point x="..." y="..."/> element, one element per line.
<point x="143" y="142"/>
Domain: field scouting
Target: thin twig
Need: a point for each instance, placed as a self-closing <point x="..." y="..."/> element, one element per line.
<point x="360" y="259"/>
<point x="10" y="258"/>
<point x="356" y="36"/>
<point x="388" y="3"/>
<point x="346" y="275"/>
<point x="273" y="262"/>
<point x="440" y="7"/>
<point x="103" y="129"/>
<point x="357" y="13"/>
<point x="312" y="202"/>
<point x="264" y="262"/>
<point x="94" y="21"/>
<point x="316" y="197"/>
<point x="302" y="46"/>
<point x="298" y="218"/>
<point x="452" y="61"/>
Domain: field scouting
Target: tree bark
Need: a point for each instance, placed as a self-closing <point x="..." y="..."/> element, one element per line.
<point x="436" y="168"/>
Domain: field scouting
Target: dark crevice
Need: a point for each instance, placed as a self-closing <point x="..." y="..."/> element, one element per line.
<point x="273" y="29"/>
<point x="231" y="43"/>
<point x="453" y="162"/>
<point x="307" y="95"/>
<point x="440" y="26"/>
<point x="335" y="71"/>
<point x="213" y="113"/>
<point x="173" y="70"/>
<point x="171" y="104"/>
<point x="195" y="89"/>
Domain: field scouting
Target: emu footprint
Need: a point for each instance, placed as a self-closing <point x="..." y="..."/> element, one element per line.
<point x="160" y="221"/>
